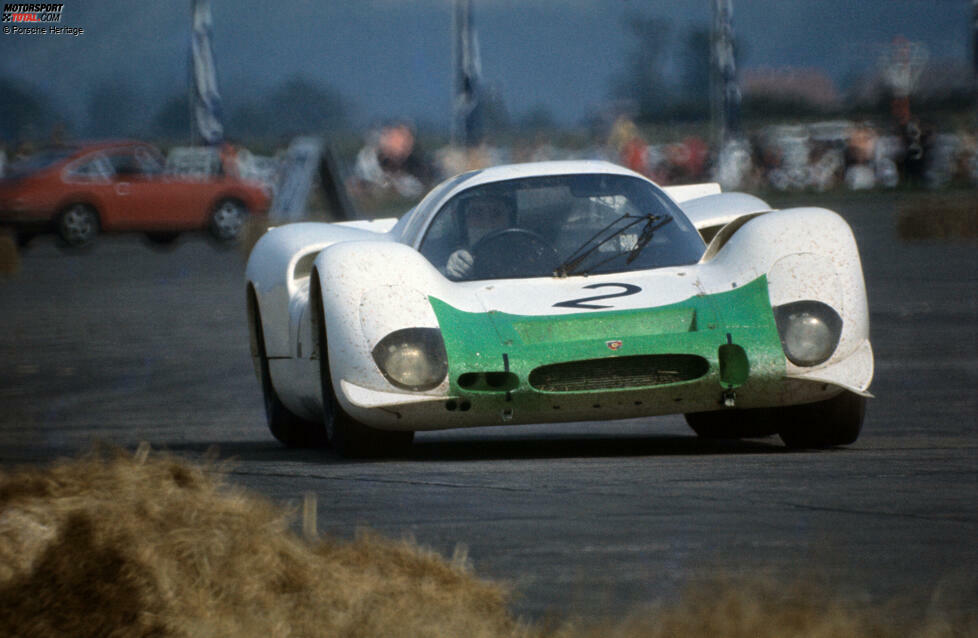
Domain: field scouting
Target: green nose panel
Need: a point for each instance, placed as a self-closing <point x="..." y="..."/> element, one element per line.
<point x="496" y="352"/>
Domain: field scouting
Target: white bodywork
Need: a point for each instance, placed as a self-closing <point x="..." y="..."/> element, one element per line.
<point x="374" y="281"/>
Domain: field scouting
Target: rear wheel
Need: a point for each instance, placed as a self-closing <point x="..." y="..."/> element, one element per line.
<point x="228" y="220"/>
<point x="78" y="225"/>
<point x="289" y="429"/>
<point x="23" y="238"/>
<point x="835" y="421"/>
<point x="348" y="436"/>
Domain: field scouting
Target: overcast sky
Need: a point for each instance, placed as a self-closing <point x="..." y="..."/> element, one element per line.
<point x="392" y="57"/>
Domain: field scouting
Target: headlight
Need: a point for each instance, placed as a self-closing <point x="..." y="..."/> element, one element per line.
<point x="809" y="330"/>
<point x="412" y="358"/>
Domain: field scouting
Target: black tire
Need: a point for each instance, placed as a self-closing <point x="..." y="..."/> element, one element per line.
<point x="77" y="225"/>
<point x="23" y="238"/>
<point x="349" y="437"/>
<point x="227" y="221"/>
<point x="829" y="423"/>
<point x="289" y="429"/>
<point x="733" y="423"/>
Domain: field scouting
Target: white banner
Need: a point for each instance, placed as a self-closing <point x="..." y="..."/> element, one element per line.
<point x="207" y="100"/>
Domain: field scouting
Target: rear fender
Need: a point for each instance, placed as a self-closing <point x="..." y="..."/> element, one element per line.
<point x="710" y="213"/>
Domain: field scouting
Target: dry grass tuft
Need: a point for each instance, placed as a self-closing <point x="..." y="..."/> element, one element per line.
<point x="766" y="608"/>
<point x="114" y="544"/>
<point x="9" y="256"/>
<point x="135" y="546"/>
<point x="939" y="217"/>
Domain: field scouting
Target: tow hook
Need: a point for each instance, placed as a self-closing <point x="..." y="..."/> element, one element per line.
<point x="729" y="398"/>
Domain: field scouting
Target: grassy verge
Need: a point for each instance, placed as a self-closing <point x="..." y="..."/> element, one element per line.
<point x="939" y="217"/>
<point x="147" y="545"/>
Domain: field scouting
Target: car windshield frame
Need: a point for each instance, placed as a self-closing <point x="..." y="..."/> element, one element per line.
<point x="623" y="223"/>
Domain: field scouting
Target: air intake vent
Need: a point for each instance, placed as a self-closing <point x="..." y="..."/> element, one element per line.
<point x="618" y="373"/>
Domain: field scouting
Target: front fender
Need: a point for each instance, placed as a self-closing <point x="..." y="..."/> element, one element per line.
<point x="278" y="269"/>
<point x="370" y="289"/>
<point x="807" y="254"/>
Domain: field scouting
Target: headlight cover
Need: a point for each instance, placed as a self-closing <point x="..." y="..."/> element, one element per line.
<point x="413" y="358"/>
<point x="809" y="330"/>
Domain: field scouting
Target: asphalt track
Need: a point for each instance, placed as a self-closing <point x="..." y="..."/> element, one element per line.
<point x="124" y="344"/>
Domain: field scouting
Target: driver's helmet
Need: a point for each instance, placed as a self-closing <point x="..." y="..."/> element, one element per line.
<point x="485" y="213"/>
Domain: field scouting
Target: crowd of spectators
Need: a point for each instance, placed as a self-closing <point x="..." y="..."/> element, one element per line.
<point x="816" y="156"/>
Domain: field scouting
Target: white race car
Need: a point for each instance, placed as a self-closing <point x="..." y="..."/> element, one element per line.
<point x="562" y="291"/>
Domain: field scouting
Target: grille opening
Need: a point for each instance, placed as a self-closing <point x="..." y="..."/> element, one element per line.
<point x="618" y="373"/>
<point x="488" y="381"/>
<point x="496" y="379"/>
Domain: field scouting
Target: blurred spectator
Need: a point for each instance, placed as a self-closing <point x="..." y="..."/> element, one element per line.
<point x="24" y="150"/>
<point x="392" y="160"/>
<point x="916" y="145"/>
<point x="453" y="160"/>
<point x="733" y="164"/>
<point x="229" y="159"/>
<point x="860" y="158"/>
<point x="629" y="146"/>
<point x="686" y="160"/>
<point x="58" y="134"/>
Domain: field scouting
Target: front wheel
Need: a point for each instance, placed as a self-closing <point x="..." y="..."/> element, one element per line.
<point x="349" y="437"/>
<point x="733" y="423"/>
<point x="78" y="225"/>
<point x="227" y="221"/>
<point x="835" y="421"/>
<point x="289" y="429"/>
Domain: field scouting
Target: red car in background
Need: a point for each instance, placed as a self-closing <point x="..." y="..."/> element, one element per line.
<point x="80" y="191"/>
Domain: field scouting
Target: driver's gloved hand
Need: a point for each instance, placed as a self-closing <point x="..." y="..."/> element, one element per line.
<point x="459" y="264"/>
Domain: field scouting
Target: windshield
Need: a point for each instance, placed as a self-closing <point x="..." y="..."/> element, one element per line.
<point x="38" y="162"/>
<point x="559" y="226"/>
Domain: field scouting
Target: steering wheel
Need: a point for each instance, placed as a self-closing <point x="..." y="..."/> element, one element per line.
<point x="513" y="252"/>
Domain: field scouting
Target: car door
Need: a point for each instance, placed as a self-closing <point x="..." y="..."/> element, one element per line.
<point x="145" y="197"/>
<point x="90" y="179"/>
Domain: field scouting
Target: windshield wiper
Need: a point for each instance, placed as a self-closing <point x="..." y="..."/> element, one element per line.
<point x="652" y="224"/>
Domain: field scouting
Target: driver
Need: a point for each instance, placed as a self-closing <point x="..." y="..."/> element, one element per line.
<point x="480" y="217"/>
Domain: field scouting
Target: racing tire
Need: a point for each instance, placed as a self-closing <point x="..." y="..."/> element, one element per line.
<point x="77" y="225"/>
<point x="733" y="424"/>
<point x="227" y="221"/>
<point x="349" y="437"/>
<point x="830" y="423"/>
<point x="289" y="429"/>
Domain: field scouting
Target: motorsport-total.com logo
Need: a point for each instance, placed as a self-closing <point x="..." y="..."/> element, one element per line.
<point x="35" y="19"/>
